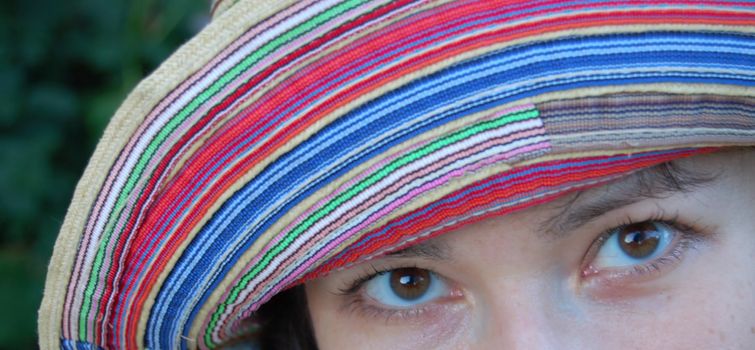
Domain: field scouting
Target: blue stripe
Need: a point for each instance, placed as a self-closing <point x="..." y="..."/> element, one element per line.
<point x="67" y="344"/>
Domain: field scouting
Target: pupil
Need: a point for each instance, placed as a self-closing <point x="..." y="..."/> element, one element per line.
<point x="410" y="283"/>
<point x="639" y="240"/>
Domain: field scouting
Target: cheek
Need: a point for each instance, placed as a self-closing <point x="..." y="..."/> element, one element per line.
<point x="692" y="321"/>
<point x="707" y="304"/>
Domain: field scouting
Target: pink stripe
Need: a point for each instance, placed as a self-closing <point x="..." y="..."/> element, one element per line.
<point x="430" y="169"/>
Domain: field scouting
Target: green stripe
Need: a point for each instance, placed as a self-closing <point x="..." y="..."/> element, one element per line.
<point x="173" y="123"/>
<point x="361" y="186"/>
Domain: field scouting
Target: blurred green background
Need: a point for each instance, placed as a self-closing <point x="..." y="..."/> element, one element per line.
<point x="65" y="66"/>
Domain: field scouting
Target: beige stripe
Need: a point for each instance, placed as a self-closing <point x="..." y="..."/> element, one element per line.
<point x="226" y="29"/>
<point x="221" y="6"/>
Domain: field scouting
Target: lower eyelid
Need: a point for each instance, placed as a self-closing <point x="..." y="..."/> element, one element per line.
<point x="421" y="315"/>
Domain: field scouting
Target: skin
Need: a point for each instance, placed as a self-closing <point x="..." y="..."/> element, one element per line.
<point x="529" y="280"/>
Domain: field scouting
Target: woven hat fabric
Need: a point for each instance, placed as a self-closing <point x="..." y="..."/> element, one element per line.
<point x="219" y="6"/>
<point x="292" y="138"/>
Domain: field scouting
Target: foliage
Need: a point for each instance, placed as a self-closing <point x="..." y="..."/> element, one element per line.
<point x="64" y="68"/>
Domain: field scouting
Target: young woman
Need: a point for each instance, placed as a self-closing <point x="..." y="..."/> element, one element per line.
<point x="425" y="175"/>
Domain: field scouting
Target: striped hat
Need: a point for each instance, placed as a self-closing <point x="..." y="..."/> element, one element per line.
<point x="291" y="138"/>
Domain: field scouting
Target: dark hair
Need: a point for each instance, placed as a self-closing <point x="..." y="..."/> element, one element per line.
<point x="283" y="323"/>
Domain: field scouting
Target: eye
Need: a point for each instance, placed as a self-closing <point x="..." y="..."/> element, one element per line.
<point x="405" y="287"/>
<point x="634" y="244"/>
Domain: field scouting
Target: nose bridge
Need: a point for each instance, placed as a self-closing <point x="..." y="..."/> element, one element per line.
<point x="520" y="315"/>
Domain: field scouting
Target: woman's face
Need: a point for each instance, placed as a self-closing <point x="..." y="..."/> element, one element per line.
<point x="662" y="259"/>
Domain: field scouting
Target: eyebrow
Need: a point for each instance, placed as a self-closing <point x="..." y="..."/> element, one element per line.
<point x="430" y="249"/>
<point x="660" y="181"/>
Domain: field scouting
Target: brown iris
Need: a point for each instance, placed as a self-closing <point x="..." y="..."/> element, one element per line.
<point x="410" y="283"/>
<point x="639" y="240"/>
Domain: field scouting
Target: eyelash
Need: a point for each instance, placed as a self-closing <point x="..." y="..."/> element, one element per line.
<point x="687" y="236"/>
<point x="360" y="280"/>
